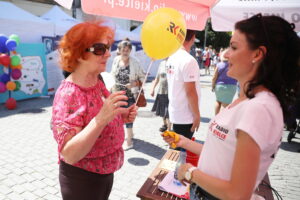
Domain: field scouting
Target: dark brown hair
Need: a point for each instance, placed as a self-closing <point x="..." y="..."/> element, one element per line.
<point x="189" y="34"/>
<point x="280" y="71"/>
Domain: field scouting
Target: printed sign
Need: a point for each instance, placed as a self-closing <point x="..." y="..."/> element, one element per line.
<point x="33" y="80"/>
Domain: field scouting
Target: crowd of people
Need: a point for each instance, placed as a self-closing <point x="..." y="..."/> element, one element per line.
<point x="88" y="120"/>
<point x="208" y="58"/>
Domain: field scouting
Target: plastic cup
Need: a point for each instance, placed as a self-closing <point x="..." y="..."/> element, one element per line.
<point x="192" y="158"/>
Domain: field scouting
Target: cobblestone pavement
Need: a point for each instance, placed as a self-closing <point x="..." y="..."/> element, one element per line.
<point x="28" y="158"/>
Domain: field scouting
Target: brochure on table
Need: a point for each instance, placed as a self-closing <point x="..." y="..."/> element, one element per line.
<point x="173" y="186"/>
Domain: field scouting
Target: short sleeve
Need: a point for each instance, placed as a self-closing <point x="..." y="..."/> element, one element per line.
<point x="191" y="71"/>
<point x="256" y="121"/>
<point x="68" y="112"/>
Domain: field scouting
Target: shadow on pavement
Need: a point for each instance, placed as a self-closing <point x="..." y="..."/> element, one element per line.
<point x="149" y="149"/>
<point x="138" y="161"/>
<point x="292" y="147"/>
<point x="30" y="106"/>
<point x="201" y="81"/>
<point x="150" y="100"/>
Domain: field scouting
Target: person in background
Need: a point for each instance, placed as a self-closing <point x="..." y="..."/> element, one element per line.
<point x="128" y="74"/>
<point x="223" y="86"/>
<point x="161" y="103"/>
<point x="120" y="45"/>
<point x="87" y="121"/>
<point x="243" y="139"/>
<point x="215" y="59"/>
<point x="183" y="75"/>
<point x="206" y="60"/>
<point x="199" y="56"/>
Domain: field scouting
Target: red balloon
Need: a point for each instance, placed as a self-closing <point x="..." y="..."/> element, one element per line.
<point x="11" y="104"/>
<point x="4" y="60"/>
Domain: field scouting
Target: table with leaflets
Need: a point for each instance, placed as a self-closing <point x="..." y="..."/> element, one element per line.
<point x="150" y="190"/>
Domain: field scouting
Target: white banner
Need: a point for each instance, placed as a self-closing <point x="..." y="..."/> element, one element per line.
<point x="65" y="3"/>
<point x="227" y="12"/>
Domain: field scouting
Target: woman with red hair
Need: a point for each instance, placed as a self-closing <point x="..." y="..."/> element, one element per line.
<point x="87" y="121"/>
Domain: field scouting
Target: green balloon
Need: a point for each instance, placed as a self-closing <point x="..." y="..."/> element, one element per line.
<point x="15" y="37"/>
<point x="15" y="60"/>
<point x="18" y="85"/>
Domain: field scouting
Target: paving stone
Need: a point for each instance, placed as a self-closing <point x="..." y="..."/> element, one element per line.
<point x="40" y="193"/>
<point x="8" y="182"/>
<point x="29" y="196"/>
<point x="14" y="196"/>
<point x="18" y="189"/>
<point x="51" y="197"/>
<point x="29" y="187"/>
<point x="17" y="179"/>
<point x="51" y="190"/>
<point x="3" y="196"/>
<point x="5" y="190"/>
<point x="49" y="182"/>
<point x="39" y="184"/>
<point x="38" y="176"/>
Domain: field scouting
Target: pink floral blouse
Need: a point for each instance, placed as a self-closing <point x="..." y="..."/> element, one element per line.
<point x="75" y="106"/>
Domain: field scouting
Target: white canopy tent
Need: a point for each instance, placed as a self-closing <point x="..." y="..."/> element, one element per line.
<point x="226" y="13"/>
<point x="30" y="28"/>
<point x="121" y="34"/>
<point x="63" y="22"/>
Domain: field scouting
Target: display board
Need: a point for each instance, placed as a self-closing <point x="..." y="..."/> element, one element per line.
<point x="34" y="74"/>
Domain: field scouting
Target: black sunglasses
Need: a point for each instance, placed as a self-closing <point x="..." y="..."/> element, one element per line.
<point x="98" y="49"/>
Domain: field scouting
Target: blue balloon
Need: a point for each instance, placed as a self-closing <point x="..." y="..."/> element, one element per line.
<point x="3" y="49"/>
<point x="5" y="78"/>
<point x="11" y="45"/>
<point x="3" y="40"/>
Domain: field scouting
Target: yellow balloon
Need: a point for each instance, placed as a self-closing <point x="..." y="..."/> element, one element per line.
<point x="163" y="32"/>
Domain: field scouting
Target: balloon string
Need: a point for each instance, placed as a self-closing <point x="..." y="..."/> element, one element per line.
<point x="141" y="88"/>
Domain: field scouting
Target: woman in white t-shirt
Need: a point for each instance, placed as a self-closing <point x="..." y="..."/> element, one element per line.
<point x="243" y="138"/>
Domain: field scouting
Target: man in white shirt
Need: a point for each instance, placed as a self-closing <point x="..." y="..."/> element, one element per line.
<point x="183" y="76"/>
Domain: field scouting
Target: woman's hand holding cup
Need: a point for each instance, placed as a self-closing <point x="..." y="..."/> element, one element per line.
<point x="112" y="107"/>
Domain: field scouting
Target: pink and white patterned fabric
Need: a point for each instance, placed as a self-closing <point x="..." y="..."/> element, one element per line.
<point x="75" y="106"/>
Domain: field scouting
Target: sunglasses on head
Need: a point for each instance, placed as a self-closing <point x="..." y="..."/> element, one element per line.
<point x="98" y="49"/>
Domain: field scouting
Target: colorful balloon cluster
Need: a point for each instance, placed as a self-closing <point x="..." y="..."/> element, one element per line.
<point x="11" y="62"/>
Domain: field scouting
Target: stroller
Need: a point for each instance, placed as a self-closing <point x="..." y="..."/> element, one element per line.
<point x="293" y="123"/>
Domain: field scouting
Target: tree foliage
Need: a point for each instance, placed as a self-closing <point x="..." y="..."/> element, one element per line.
<point x="216" y="39"/>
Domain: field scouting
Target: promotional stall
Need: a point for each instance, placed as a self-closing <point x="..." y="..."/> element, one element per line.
<point x="32" y="75"/>
<point x="62" y="23"/>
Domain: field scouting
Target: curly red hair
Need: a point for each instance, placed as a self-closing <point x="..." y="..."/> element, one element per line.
<point x="74" y="43"/>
